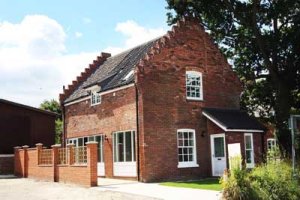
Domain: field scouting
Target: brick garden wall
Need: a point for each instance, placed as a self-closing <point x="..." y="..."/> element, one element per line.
<point x="6" y="164"/>
<point x="27" y="165"/>
<point x="163" y="107"/>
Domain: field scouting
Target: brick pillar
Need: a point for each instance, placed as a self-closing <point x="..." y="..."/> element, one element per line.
<point x="92" y="155"/>
<point x="55" y="160"/>
<point x="39" y="147"/>
<point x="25" y="172"/>
<point x="70" y="147"/>
<point x="17" y="163"/>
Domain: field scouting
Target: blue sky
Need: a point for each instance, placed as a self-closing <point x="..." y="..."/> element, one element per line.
<point x="46" y="44"/>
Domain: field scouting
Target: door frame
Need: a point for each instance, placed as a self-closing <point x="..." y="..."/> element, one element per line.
<point x="212" y="136"/>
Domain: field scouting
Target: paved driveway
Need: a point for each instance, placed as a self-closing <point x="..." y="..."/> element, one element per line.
<point x="155" y="190"/>
<point x="28" y="189"/>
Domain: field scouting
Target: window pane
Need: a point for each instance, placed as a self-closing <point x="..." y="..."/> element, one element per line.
<point x="219" y="147"/>
<point x="180" y="143"/>
<point x="133" y="139"/>
<point x="248" y="142"/>
<point x="80" y="142"/>
<point x="115" y="147"/>
<point x="128" y="146"/>
<point x="91" y="138"/>
<point x="120" y="144"/>
<point x="85" y="139"/>
<point x="100" y="148"/>
<point x="180" y="135"/>
<point x="248" y="156"/>
<point x="180" y="158"/>
<point x="185" y="158"/>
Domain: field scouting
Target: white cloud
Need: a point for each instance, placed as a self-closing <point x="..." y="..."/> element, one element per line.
<point x="34" y="64"/>
<point x="78" y="34"/>
<point x="135" y="34"/>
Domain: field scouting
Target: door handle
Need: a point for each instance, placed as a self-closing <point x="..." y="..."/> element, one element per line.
<point x="219" y="159"/>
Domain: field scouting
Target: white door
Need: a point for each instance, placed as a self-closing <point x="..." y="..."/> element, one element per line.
<point x="218" y="154"/>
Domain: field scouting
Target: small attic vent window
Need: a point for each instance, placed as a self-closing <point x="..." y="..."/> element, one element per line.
<point x="130" y="74"/>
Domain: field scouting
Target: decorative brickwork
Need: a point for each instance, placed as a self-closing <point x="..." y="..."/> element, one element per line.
<point x="83" y="76"/>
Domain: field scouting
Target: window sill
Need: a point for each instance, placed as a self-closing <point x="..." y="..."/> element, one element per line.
<point x="187" y="165"/>
<point x="95" y="104"/>
<point x="194" y="99"/>
<point x="249" y="166"/>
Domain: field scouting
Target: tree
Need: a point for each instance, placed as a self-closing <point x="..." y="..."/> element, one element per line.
<point x="53" y="106"/>
<point x="262" y="40"/>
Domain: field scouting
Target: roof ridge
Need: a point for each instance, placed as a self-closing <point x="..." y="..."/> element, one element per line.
<point x="28" y="107"/>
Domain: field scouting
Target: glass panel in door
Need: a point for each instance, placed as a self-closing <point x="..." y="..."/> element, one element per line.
<point x="219" y="147"/>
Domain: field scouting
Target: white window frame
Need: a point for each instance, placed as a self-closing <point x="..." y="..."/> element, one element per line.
<point x="95" y="98"/>
<point x="186" y="164"/>
<point x="194" y="74"/>
<point x="252" y="164"/>
<point x="116" y="147"/>
<point x="89" y="139"/>
<point x="273" y="145"/>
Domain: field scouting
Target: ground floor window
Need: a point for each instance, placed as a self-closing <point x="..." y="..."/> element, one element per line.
<point x="249" y="152"/>
<point x="271" y="144"/>
<point x="186" y="148"/>
<point x="81" y="141"/>
<point x="124" y="146"/>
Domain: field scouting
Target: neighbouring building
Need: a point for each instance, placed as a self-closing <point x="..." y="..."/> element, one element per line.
<point x="167" y="109"/>
<point x="22" y="124"/>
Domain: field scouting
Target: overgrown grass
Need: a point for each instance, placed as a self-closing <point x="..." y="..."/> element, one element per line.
<point x="205" y="184"/>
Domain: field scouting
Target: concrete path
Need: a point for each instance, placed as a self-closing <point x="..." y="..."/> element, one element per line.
<point x="28" y="189"/>
<point x="155" y="190"/>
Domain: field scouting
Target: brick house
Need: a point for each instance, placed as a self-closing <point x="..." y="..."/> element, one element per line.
<point x="167" y="109"/>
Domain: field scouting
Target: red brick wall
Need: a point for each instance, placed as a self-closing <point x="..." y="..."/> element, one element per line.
<point x="26" y="165"/>
<point x="19" y="126"/>
<point x="117" y="112"/>
<point x="163" y="106"/>
<point x="6" y="164"/>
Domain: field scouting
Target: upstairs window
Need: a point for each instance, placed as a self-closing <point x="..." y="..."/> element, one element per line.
<point x="194" y="85"/>
<point x="95" y="98"/>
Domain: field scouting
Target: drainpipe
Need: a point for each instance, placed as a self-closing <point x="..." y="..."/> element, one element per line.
<point x="64" y="127"/>
<point x="137" y="131"/>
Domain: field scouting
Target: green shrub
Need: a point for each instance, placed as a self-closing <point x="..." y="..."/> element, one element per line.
<point x="274" y="181"/>
<point x="271" y="181"/>
<point x="237" y="186"/>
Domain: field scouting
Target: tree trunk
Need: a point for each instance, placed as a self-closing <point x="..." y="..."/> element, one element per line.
<point x="283" y="104"/>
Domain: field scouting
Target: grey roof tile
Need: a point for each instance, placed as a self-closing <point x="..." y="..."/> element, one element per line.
<point x="111" y="73"/>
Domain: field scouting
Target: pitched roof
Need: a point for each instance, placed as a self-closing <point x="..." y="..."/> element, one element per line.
<point x="112" y="72"/>
<point x="233" y="119"/>
<point x="28" y="107"/>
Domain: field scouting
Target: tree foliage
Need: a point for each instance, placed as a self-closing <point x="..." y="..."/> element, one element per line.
<point x="53" y="106"/>
<point x="262" y="40"/>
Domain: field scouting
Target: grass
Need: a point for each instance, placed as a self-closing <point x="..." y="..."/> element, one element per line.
<point x="205" y="184"/>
